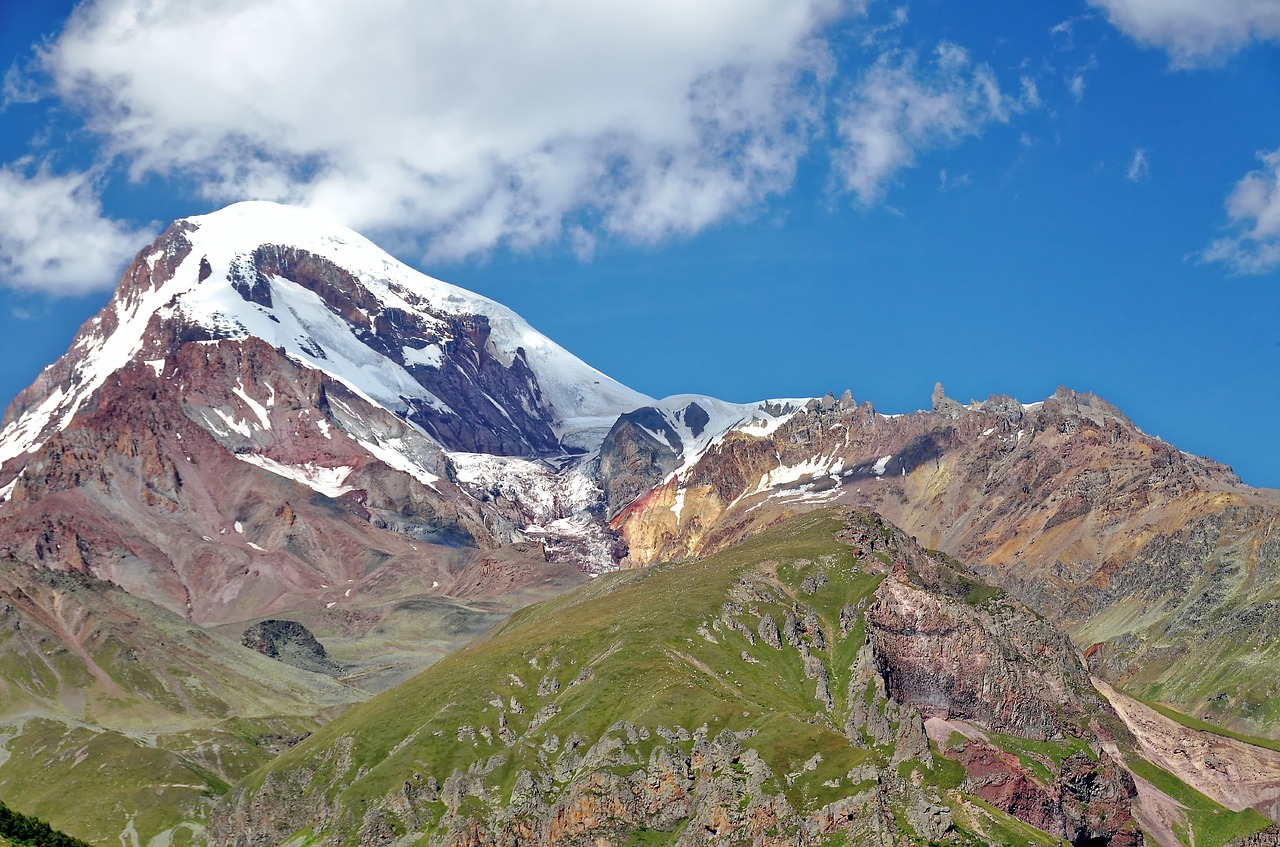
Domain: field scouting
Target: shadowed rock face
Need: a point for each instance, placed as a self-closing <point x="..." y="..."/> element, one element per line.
<point x="638" y="453"/>
<point x="470" y="380"/>
<point x="289" y="642"/>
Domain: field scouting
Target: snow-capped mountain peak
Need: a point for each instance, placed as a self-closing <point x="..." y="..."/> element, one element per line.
<point x="464" y="369"/>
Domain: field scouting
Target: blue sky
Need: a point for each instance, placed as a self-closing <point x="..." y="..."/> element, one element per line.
<point x="743" y="198"/>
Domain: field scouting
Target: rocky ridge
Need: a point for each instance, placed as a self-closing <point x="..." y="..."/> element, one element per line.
<point x="1111" y="533"/>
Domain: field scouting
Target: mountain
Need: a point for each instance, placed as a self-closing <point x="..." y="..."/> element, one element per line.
<point x="281" y="472"/>
<point x="1161" y="563"/>
<point x="120" y="716"/>
<point x="270" y="419"/>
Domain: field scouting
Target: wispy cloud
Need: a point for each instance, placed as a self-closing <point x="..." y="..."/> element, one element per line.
<point x="1195" y="32"/>
<point x="898" y="18"/>
<point x="947" y="182"/>
<point x="54" y="236"/>
<point x="902" y="107"/>
<point x="18" y="86"/>
<point x="1253" y="207"/>
<point x="1064" y="32"/>
<point x="1139" y="168"/>
<point x="1076" y="79"/>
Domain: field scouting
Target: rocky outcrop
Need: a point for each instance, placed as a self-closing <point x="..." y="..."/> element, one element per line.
<point x="708" y="791"/>
<point x="289" y="642"/>
<point x="943" y="645"/>
<point x="1088" y="801"/>
<point x="955" y="647"/>
<point x="638" y="453"/>
<point x="999" y="664"/>
<point x="1269" y="837"/>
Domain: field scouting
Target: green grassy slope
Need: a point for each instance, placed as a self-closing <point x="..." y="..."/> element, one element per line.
<point x="634" y="637"/>
<point x="570" y="711"/>
<point x="117" y="716"/>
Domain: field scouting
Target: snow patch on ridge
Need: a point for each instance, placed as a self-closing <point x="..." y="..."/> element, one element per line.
<point x="258" y="408"/>
<point x="327" y="481"/>
<point x="392" y="453"/>
<point x="723" y="418"/>
<point x="557" y="508"/>
<point x="431" y="356"/>
<point x="812" y="467"/>
<point x="235" y="425"/>
<point x="678" y="506"/>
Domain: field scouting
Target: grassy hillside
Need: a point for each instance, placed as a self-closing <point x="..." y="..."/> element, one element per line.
<point x="706" y="701"/>
<point x="121" y="719"/>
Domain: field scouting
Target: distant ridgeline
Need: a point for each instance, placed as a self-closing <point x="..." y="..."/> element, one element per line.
<point x="32" y="832"/>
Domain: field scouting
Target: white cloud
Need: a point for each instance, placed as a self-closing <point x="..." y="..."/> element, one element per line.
<point x="54" y="237"/>
<point x="477" y="124"/>
<point x="1254" y="209"/>
<point x="18" y="87"/>
<point x="1076" y="84"/>
<point x="1076" y="79"/>
<point x="1139" y="168"/>
<point x="900" y="109"/>
<point x="1195" y="31"/>
<point x="947" y="182"/>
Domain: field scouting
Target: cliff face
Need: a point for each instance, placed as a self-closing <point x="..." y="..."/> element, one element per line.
<point x="968" y="657"/>
<point x="777" y="693"/>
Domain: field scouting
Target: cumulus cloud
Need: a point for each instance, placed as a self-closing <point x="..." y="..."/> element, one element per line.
<point x="901" y="107"/>
<point x="54" y="236"/>
<point x="1254" y="210"/>
<point x="1195" y="31"/>
<point x="474" y="123"/>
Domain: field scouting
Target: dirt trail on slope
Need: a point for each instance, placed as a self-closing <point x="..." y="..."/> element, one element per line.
<point x="1233" y="773"/>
